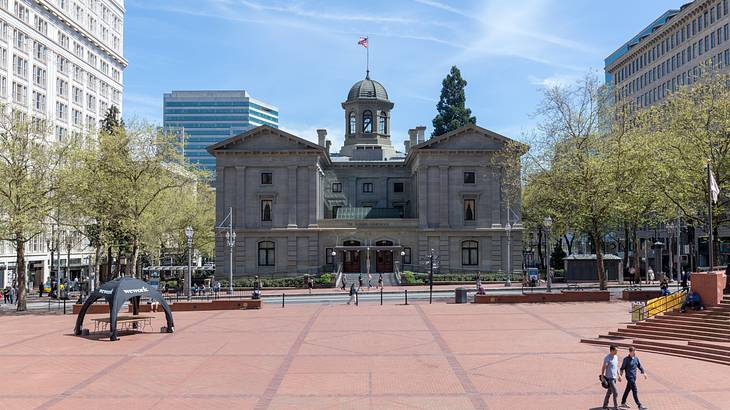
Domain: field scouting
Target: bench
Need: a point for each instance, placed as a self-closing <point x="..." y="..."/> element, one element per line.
<point x="123" y="323"/>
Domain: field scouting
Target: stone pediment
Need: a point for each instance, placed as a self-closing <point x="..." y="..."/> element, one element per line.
<point x="468" y="137"/>
<point x="264" y="139"/>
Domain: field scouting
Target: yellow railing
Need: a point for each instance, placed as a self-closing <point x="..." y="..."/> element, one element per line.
<point x="659" y="305"/>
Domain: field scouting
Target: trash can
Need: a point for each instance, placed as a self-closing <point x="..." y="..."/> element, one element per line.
<point x="637" y="311"/>
<point x="461" y="295"/>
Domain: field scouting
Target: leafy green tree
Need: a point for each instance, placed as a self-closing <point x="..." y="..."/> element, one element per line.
<point x="452" y="111"/>
<point x="29" y="162"/>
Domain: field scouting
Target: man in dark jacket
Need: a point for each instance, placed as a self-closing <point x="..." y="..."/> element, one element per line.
<point x="629" y="366"/>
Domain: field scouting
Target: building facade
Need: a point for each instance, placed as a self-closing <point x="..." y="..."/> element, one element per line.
<point x="296" y="207"/>
<point x="669" y="52"/>
<point x="202" y="118"/>
<point x="62" y="61"/>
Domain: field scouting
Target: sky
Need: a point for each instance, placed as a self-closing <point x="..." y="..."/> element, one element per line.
<point x="303" y="56"/>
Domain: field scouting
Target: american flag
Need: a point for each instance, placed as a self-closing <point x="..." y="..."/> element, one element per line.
<point x="363" y="42"/>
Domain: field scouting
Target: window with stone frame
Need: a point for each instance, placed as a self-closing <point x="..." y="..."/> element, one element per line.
<point x="470" y="210"/>
<point x="470" y="253"/>
<point x="353" y="123"/>
<point x="470" y="177"/>
<point x="367" y="122"/>
<point x="398" y="187"/>
<point x="267" y="178"/>
<point x="337" y="187"/>
<point x="367" y="187"/>
<point x="267" y="253"/>
<point x="266" y="205"/>
<point x="383" y="122"/>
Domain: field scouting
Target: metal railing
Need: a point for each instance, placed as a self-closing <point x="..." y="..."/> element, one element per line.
<point x="659" y="305"/>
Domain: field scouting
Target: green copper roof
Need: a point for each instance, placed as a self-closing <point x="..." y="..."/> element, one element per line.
<point x="368" y="213"/>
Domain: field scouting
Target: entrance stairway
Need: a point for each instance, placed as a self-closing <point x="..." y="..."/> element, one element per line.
<point x="701" y="335"/>
<point x="388" y="279"/>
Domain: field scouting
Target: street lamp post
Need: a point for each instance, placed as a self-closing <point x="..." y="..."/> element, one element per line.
<point x="508" y="229"/>
<point x="189" y="278"/>
<point x="670" y="236"/>
<point x="231" y="242"/>
<point x="548" y="222"/>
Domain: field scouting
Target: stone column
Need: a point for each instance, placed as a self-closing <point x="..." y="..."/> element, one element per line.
<point x="314" y="188"/>
<point x="444" y="199"/>
<point x="240" y="198"/>
<point x="291" y="202"/>
<point x="422" y="176"/>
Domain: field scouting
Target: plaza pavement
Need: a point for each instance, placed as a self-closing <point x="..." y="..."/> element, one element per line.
<point x="440" y="356"/>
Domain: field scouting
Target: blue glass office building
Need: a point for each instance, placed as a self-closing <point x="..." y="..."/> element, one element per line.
<point x="203" y="118"/>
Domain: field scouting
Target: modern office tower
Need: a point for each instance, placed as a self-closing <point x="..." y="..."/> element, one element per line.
<point x="60" y="60"/>
<point x="668" y="53"/>
<point x="203" y="118"/>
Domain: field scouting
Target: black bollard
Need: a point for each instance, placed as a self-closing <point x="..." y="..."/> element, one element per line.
<point x="381" y="296"/>
<point x="283" y="295"/>
<point x="406" y="296"/>
<point x="357" y="299"/>
<point x="64" y="306"/>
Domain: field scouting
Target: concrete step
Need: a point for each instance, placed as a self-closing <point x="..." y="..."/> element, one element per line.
<point x="666" y="335"/>
<point x="702" y="324"/>
<point x="626" y="343"/>
<point x="708" y="348"/>
<point x="679" y="327"/>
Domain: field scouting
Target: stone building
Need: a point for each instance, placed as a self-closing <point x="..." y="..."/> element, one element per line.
<point x="296" y="207"/>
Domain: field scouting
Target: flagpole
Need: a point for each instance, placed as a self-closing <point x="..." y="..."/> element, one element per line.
<point x="367" y="59"/>
<point x="709" y="217"/>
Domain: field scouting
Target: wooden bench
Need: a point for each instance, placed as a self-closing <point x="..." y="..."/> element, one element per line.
<point x="123" y="323"/>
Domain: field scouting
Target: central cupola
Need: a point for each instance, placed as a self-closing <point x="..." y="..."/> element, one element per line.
<point x="367" y="118"/>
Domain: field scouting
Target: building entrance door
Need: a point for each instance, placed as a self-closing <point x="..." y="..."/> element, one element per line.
<point x="351" y="264"/>
<point x="384" y="259"/>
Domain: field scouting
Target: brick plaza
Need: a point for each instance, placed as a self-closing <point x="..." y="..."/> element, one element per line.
<point x="439" y="356"/>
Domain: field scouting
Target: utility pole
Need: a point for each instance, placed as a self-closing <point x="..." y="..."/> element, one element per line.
<point x="430" y="278"/>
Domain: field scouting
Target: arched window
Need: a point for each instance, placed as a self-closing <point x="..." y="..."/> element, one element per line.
<point x="383" y="122"/>
<point x="367" y="122"/>
<point x="353" y="123"/>
<point x="470" y="253"/>
<point x="266" y="253"/>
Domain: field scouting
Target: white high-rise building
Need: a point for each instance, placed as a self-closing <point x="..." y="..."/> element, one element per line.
<point x="60" y="60"/>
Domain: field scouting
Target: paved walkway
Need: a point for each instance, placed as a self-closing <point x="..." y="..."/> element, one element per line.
<point x="439" y="356"/>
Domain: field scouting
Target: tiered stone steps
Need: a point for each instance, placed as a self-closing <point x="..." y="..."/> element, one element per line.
<point x="388" y="279"/>
<point x="702" y="335"/>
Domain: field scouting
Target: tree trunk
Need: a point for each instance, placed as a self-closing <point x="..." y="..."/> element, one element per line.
<point x="597" y="241"/>
<point x="108" y="275"/>
<point x="637" y="257"/>
<point x="118" y="269"/>
<point x="569" y="243"/>
<point x="135" y="254"/>
<point x="97" y="266"/>
<point x="20" y="269"/>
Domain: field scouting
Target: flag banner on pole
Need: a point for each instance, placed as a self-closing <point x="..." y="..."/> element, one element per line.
<point x="714" y="188"/>
<point x="363" y="42"/>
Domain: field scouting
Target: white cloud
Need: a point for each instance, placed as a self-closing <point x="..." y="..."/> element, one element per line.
<point x="560" y="80"/>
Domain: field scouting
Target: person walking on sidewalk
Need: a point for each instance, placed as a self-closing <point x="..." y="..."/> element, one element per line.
<point x="370" y="281"/>
<point x="359" y="281"/>
<point x="353" y="293"/>
<point x="609" y="375"/>
<point x="344" y="282"/>
<point x="310" y="284"/>
<point x="629" y="366"/>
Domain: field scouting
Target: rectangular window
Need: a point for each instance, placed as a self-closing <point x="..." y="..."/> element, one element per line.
<point x="470" y="253"/>
<point x="367" y="187"/>
<point x="329" y="259"/>
<point x="335" y="208"/>
<point x="406" y="259"/>
<point x="266" y="178"/>
<point x="61" y="111"/>
<point x="266" y="253"/>
<point x="469" y="209"/>
<point x="470" y="178"/>
<point x="398" y="187"/>
<point x="337" y="187"/>
<point x="266" y="210"/>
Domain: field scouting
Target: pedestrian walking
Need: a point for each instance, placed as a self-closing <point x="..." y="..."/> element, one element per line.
<point x="609" y="375"/>
<point x="650" y="275"/>
<point x="40" y="289"/>
<point x="664" y="286"/>
<point x="629" y="366"/>
<point x="353" y="293"/>
<point x="6" y="294"/>
<point x="344" y="282"/>
<point x="478" y="280"/>
<point x="310" y="284"/>
<point x="359" y="281"/>
<point x="370" y="281"/>
<point x="633" y="277"/>
<point x="380" y="281"/>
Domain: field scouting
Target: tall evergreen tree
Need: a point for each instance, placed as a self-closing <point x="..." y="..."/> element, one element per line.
<point x="452" y="111"/>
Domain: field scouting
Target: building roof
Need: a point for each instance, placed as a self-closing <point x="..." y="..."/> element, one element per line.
<point x="367" y="89"/>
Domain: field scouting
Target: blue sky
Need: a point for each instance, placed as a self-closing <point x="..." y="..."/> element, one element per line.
<point x="302" y="56"/>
